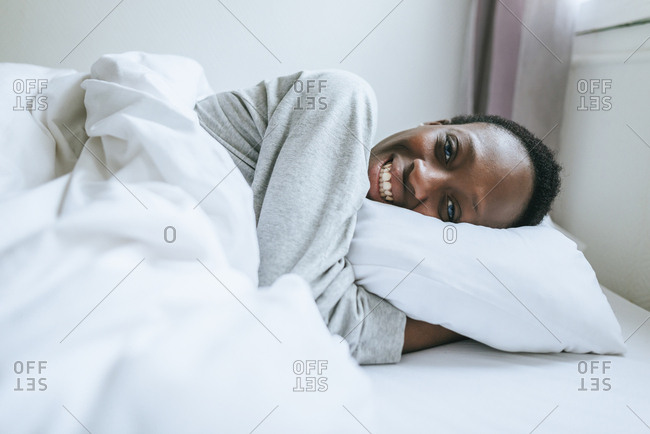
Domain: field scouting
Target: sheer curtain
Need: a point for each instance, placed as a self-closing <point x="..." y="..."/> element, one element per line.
<point x="519" y="61"/>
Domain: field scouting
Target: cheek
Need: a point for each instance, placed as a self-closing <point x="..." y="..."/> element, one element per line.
<point x="427" y="210"/>
<point x="379" y="152"/>
<point x="387" y="142"/>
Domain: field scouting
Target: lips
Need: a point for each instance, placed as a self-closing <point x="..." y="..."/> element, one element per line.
<point x="386" y="179"/>
<point x="385" y="183"/>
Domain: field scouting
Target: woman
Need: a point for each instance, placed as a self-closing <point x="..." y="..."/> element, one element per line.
<point x="303" y="143"/>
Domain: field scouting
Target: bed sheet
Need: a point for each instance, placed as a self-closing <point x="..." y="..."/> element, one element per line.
<point x="467" y="387"/>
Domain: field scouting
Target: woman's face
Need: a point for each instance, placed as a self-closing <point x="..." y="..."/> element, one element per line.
<point x="475" y="173"/>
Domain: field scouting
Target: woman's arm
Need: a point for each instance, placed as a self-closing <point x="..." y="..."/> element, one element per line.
<point x="419" y="335"/>
<point x="303" y="143"/>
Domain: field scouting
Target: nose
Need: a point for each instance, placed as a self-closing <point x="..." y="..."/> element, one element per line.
<point x="425" y="180"/>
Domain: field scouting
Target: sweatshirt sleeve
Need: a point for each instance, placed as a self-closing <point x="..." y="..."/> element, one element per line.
<point x="303" y="142"/>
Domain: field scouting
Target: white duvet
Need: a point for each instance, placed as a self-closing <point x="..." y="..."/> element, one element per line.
<point x="129" y="299"/>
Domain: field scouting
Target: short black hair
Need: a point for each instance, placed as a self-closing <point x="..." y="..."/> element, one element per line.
<point x="546" y="179"/>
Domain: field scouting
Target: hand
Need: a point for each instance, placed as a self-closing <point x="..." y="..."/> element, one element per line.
<point x="419" y="335"/>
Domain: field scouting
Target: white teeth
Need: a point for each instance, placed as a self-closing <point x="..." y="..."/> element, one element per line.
<point x="385" y="187"/>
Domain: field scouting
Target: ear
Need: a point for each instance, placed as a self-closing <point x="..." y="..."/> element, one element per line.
<point x="440" y="122"/>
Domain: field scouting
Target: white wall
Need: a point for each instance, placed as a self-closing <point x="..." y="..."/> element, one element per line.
<point x="412" y="59"/>
<point x="605" y="199"/>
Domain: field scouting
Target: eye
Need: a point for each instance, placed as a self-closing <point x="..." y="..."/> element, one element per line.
<point x="448" y="148"/>
<point x="451" y="210"/>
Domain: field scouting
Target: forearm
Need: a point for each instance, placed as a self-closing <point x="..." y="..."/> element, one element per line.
<point x="419" y="335"/>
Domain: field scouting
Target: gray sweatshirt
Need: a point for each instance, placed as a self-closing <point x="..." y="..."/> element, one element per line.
<point x="303" y="142"/>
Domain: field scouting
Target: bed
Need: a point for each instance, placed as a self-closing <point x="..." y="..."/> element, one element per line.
<point x="467" y="387"/>
<point x="130" y="292"/>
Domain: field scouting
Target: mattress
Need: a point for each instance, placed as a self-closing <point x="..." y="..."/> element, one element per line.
<point x="467" y="387"/>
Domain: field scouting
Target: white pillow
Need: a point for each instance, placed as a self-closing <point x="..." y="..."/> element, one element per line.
<point x="518" y="289"/>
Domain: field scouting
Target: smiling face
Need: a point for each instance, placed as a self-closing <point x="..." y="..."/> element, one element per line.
<point x="475" y="173"/>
